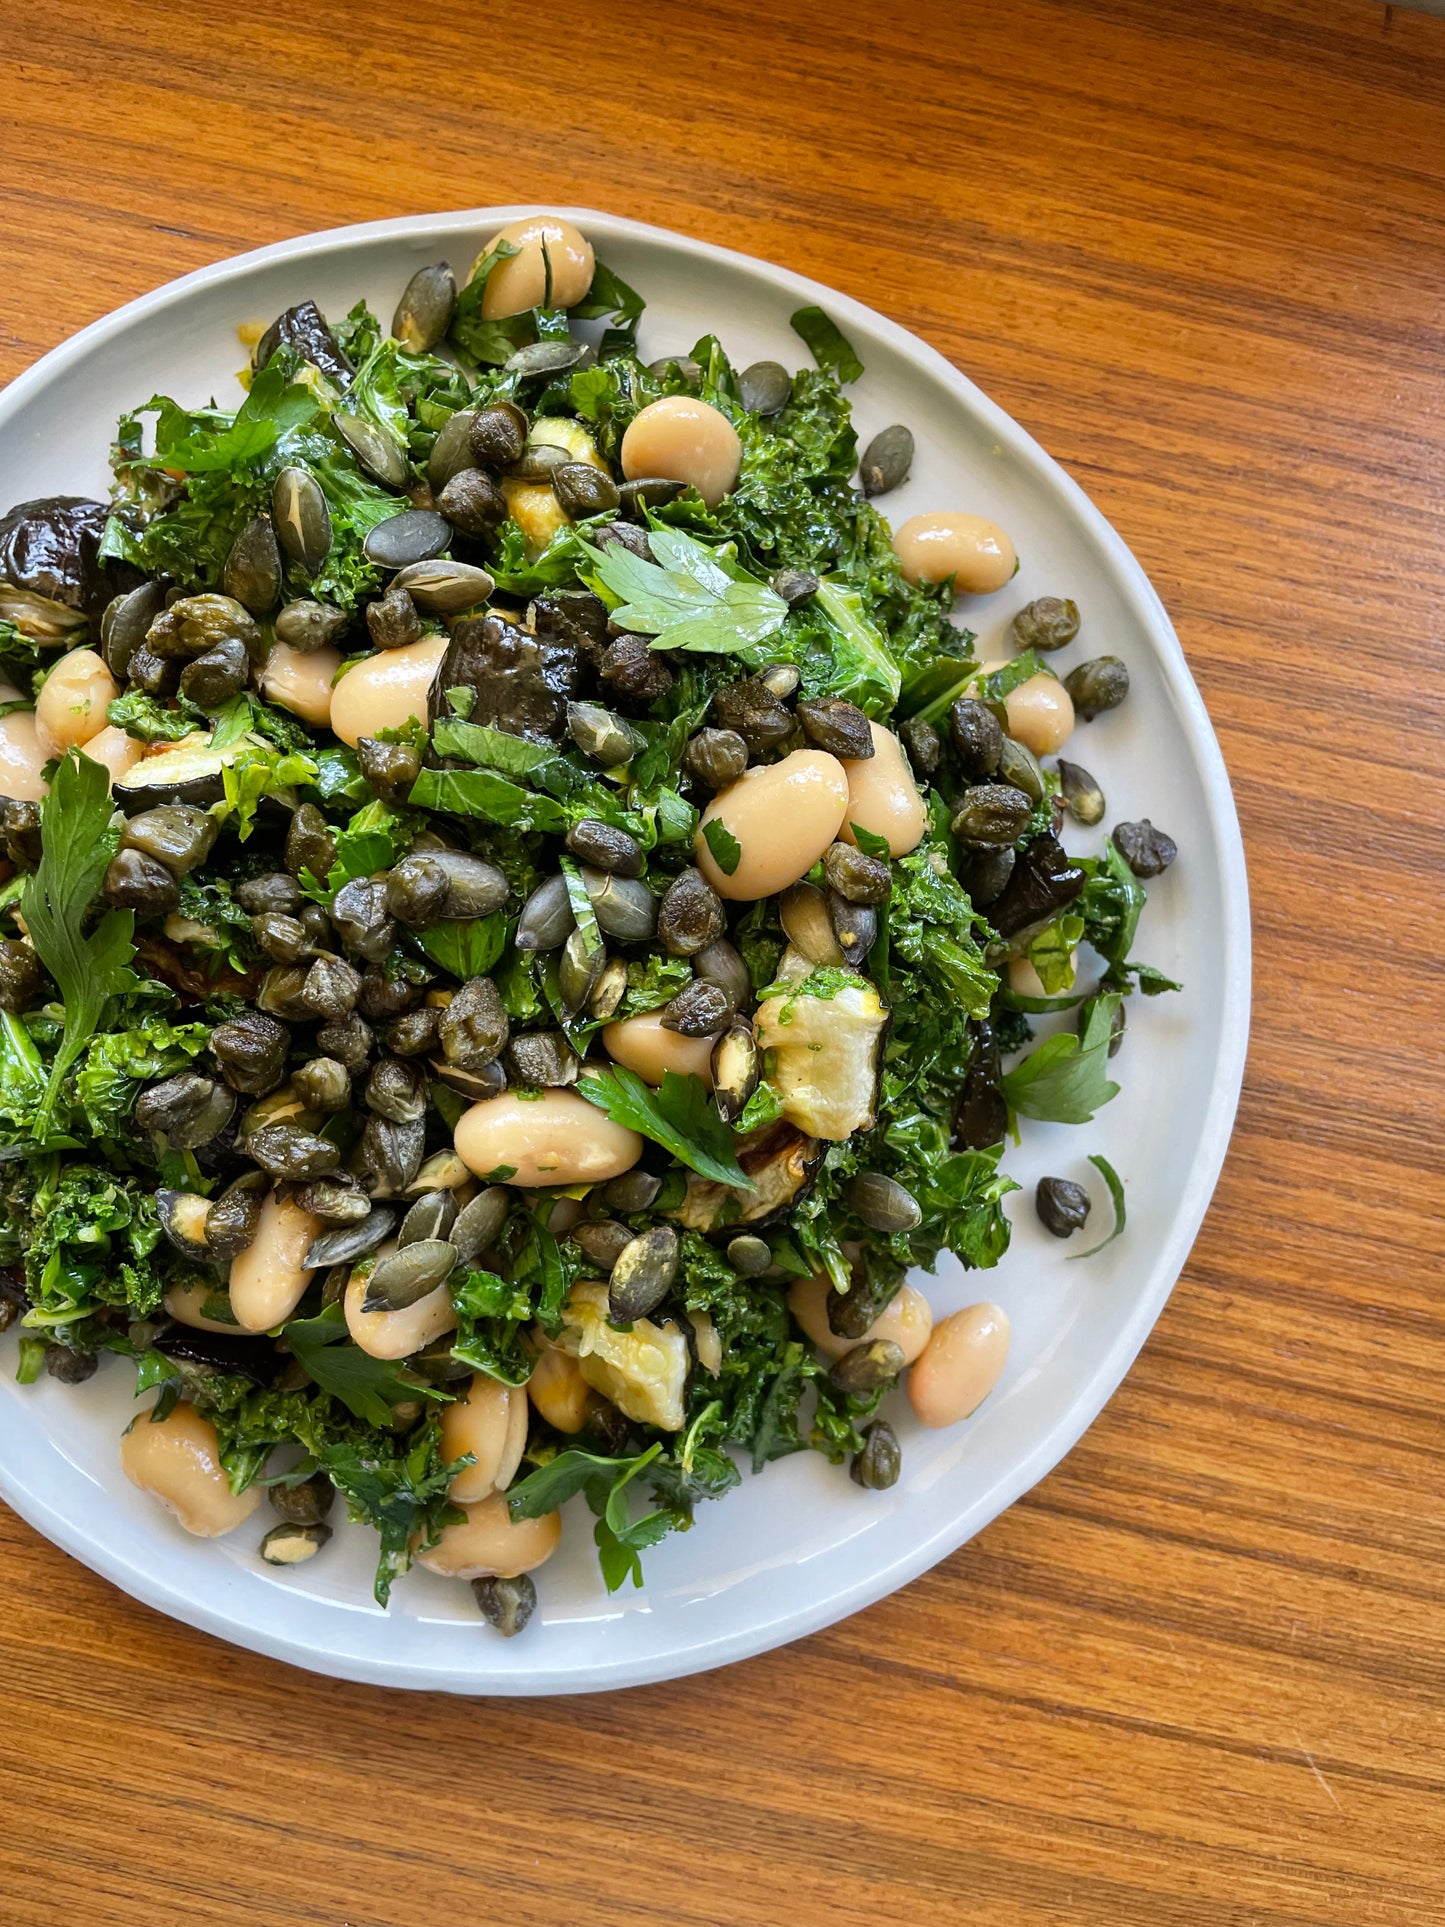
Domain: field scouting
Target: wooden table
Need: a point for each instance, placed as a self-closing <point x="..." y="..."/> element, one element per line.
<point x="1198" y="248"/>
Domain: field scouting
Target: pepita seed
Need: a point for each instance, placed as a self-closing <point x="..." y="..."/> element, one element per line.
<point x="883" y="1203"/>
<point x="424" y="312"/>
<point x="350" y="1241"/>
<point x="1083" y="798"/>
<point x="416" y="535"/>
<point x="479" y="1222"/>
<point x="432" y="1216"/>
<point x="765" y="387"/>
<point x="377" y="452"/>
<point x="736" y="1068"/>
<point x="544" y="358"/>
<point x="886" y="460"/>
<point x="642" y="1274"/>
<point x="301" y="518"/>
<point x="408" y="1274"/>
<point x="252" y="575"/>
<point x="443" y="587"/>
<point x="749" y="1255"/>
<point x="602" y="1240"/>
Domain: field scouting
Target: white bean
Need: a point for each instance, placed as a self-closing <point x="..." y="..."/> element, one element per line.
<point x="387" y="690"/>
<point x="960" y="1365"/>
<point x="644" y="1045"/>
<point x="782" y="816"/>
<point x="397" y="1334"/>
<point x="1026" y="981"/>
<point x="184" y="1303"/>
<point x="520" y="281"/>
<point x="687" y="441"/>
<point x="883" y="797"/>
<point x="22" y="758"/>
<point x="178" y="1461"/>
<point x="116" y="750"/>
<point x="489" y="1543"/>
<point x="268" y="1279"/>
<point x="557" y="1389"/>
<point x="976" y="553"/>
<point x="557" y="1138"/>
<point x="1040" y="714"/>
<point x="490" y="1424"/>
<point x="300" y="681"/>
<point x="907" y="1321"/>
<point x="71" y="706"/>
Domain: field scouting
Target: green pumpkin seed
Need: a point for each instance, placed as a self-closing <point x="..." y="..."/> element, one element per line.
<point x="424" y="312"/>
<point x="302" y="519"/>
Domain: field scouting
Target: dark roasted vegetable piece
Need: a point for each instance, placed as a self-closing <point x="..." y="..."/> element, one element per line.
<point x="522" y="683"/>
<point x="51" y="548"/>
<point x="1045" y="880"/>
<point x="304" y="329"/>
<point x="981" y="1117"/>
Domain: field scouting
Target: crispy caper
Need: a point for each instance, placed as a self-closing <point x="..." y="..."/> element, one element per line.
<point x="699" y="1010"/>
<point x="287" y="1151"/>
<point x="1049" y="622"/>
<point x="70" y="1367"/>
<point x="322" y="1084"/>
<point x="386" y="995"/>
<point x="392" y="621"/>
<point x="977" y="737"/>
<point x="632" y="672"/>
<point x="251" y="1051"/>
<point x="839" y="727"/>
<point x="135" y="881"/>
<point x="21" y="977"/>
<point x="187" y="1110"/>
<point x="310" y="844"/>
<point x="390" y="768"/>
<point x="691" y="916"/>
<point x="359" y="913"/>
<point x="273" y="891"/>
<point x="1147" y="851"/>
<point x="412" y="1034"/>
<point x="877" y="1466"/>
<point x="416" y="890"/>
<point x="349" y="1041"/>
<point x="307" y="626"/>
<point x="991" y="815"/>
<point x="473" y="1028"/>
<point x="716" y="757"/>
<point x="307" y="1502"/>
<point x="856" y="877"/>
<point x="472" y="502"/>
<point x="1062" y="1205"/>
<point x="868" y="1366"/>
<point x="751" y="709"/>
<point x="582" y="490"/>
<point x="922" y="741"/>
<point x="200" y="623"/>
<point x="795" y="585"/>
<point x="1098" y="685"/>
<point x="544" y="1059"/>
<point x="176" y="834"/>
<point x="396" y="1089"/>
<point x="497" y="435"/>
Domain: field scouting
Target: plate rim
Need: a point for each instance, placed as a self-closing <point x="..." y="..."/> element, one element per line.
<point x="150" y="1587"/>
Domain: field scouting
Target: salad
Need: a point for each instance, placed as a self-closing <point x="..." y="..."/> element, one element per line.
<point x="520" y="925"/>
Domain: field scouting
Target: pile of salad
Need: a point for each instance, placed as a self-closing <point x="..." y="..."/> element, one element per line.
<point x="521" y="918"/>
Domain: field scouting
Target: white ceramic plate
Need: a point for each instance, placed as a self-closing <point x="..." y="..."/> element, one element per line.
<point x="801" y="1546"/>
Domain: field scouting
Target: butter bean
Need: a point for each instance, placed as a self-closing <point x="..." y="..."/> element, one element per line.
<point x="268" y="1279"/>
<point x="301" y="681"/>
<point x="520" y="282"/>
<point x="1023" y="978"/>
<point x="644" y="1046"/>
<point x="397" y="1334"/>
<point x="489" y="1543"/>
<point x="71" y="706"/>
<point x="21" y="758"/>
<point x="687" y="441"/>
<point x="783" y="816"/>
<point x="960" y="1365"/>
<point x="117" y="751"/>
<point x="385" y="691"/>
<point x="883" y="797"/>
<point x="976" y="553"/>
<point x="557" y="1138"/>
<point x="184" y="1302"/>
<point x="1040" y="714"/>
<point x="490" y="1423"/>
<point x="906" y="1322"/>
<point x="178" y="1461"/>
<point x="557" y="1388"/>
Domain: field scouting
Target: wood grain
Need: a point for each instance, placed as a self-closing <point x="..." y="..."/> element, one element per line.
<point x="1198" y="1676"/>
